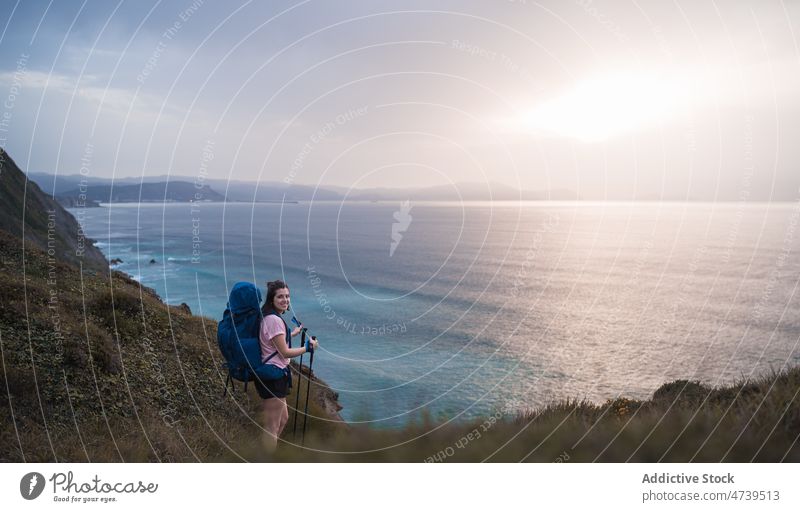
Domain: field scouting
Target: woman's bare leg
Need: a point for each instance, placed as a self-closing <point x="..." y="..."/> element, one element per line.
<point x="273" y="411"/>
<point x="284" y="417"/>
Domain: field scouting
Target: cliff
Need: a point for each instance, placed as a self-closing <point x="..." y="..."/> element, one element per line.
<point x="28" y="213"/>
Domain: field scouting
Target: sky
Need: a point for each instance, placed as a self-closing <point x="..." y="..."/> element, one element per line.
<point x="612" y="100"/>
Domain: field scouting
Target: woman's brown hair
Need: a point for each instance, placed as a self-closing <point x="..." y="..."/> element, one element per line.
<point x="272" y="289"/>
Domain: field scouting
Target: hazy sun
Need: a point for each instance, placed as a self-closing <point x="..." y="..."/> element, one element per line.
<point x="598" y="108"/>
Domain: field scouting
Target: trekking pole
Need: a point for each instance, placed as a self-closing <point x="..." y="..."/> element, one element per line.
<point x="299" y="378"/>
<point x="308" y="391"/>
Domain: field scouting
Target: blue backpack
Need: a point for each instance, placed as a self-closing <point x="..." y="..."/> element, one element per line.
<point x="237" y="336"/>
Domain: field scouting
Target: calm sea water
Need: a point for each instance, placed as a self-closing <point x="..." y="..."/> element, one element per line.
<point x="481" y="308"/>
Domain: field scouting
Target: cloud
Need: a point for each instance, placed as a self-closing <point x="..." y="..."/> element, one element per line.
<point x="114" y="100"/>
<point x="34" y="79"/>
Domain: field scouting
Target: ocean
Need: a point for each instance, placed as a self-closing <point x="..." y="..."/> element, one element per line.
<point x="458" y="310"/>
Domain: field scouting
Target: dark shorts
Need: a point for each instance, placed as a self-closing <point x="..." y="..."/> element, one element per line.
<point x="277" y="388"/>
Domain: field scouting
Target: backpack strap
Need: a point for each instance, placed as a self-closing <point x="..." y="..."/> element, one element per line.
<point x="286" y="330"/>
<point x="232" y="382"/>
<point x="225" y="389"/>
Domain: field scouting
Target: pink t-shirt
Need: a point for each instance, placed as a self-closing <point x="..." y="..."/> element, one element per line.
<point x="272" y="326"/>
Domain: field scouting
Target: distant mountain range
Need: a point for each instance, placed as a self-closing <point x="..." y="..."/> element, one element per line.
<point x="179" y="191"/>
<point x="182" y="188"/>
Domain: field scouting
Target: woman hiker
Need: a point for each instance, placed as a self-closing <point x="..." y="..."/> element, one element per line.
<point x="275" y="341"/>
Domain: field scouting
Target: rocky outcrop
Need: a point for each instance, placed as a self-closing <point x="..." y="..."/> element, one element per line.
<point x="321" y="393"/>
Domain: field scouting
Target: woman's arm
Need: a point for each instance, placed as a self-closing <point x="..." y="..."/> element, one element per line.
<point x="280" y="345"/>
